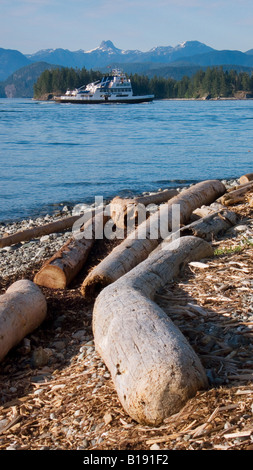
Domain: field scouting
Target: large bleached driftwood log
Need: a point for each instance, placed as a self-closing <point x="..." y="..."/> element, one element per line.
<point x="62" y="267"/>
<point x="153" y="367"/>
<point x="22" y="309"/>
<point x="29" y="234"/>
<point x="123" y="210"/>
<point x="139" y="244"/>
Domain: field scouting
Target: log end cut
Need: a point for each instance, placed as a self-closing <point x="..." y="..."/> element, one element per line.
<point x="246" y="178"/>
<point x="51" y="276"/>
<point x="22" y="309"/>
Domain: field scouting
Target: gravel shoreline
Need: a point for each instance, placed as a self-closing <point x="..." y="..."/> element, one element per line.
<point x="24" y="255"/>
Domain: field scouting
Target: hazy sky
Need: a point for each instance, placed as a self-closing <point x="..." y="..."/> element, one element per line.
<point x="31" y="25"/>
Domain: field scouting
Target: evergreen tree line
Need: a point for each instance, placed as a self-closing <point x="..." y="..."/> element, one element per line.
<point x="213" y="81"/>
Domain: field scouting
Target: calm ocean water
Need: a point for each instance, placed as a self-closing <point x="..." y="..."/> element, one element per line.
<point x="53" y="154"/>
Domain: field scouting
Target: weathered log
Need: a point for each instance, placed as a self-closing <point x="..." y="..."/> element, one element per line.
<point x="203" y="211"/>
<point x="22" y="309"/>
<point x="233" y="197"/>
<point x="64" y="265"/>
<point x="246" y="178"/>
<point x="138" y="245"/>
<point x="209" y="226"/>
<point x="123" y="210"/>
<point x="29" y="234"/>
<point x="153" y="367"/>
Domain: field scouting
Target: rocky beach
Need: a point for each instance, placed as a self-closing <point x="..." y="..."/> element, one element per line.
<point x="56" y="392"/>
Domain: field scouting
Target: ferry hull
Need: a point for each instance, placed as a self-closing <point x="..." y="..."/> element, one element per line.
<point x="133" y="100"/>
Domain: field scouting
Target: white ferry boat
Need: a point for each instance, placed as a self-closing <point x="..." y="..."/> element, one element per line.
<point x="114" y="88"/>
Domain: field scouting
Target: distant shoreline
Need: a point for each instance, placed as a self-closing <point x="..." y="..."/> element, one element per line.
<point x="206" y="99"/>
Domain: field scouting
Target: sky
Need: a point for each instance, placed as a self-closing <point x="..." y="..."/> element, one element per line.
<point x="32" y="25"/>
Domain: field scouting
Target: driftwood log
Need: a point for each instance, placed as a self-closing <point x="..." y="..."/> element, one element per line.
<point x="246" y="178"/>
<point x="22" y="309"/>
<point x="203" y="211"/>
<point x="29" y="234"/>
<point x="64" y="265"/>
<point x="209" y="226"/>
<point x="123" y="210"/>
<point x="237" y="195"/>
<point x="153" y="367"/>
<point x="138" y="245"/>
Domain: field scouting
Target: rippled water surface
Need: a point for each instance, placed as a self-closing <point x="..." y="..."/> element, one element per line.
<point x="53" y="154"/>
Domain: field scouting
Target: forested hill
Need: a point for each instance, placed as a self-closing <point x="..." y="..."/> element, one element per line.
<point x="211" y="83"/>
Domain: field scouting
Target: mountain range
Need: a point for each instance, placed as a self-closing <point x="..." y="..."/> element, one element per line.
<point x="164" y="61"/>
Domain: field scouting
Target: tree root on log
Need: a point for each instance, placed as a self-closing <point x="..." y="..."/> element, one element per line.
<point x="153" y="367"/>
<point x="124" y="210"/>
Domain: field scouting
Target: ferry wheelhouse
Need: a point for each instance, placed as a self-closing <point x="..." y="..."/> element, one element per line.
<point x="114" y="88"/>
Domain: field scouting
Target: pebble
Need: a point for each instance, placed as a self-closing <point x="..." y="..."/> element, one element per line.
<point x="12" y="447"/>
<point x="79" y="334"/>
<point x="155" y="447"/>
<point x="241" y="228"/>
<point x="45" y="238"/>
<point x="58" y="345"/>
<point x="40" y="357"/>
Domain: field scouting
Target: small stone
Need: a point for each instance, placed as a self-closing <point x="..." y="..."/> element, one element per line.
<point x="12" y="447"/>
<point x="40" y="357"/>
<point x="44" y="238"/>
<point x="25" y="347"/>
<point x="58" y="345"/>
<point x="8" y="248"/>
<point x="79" y="334"/>
<point x="60" y="357"/>
<point x="81" y="356"/>
<point x="241" y="228"/>
<point x="40" y="252"/>
<point x="155" y="447"/>
<point x="38" y="378"/>
<point x="89" y="343"/>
